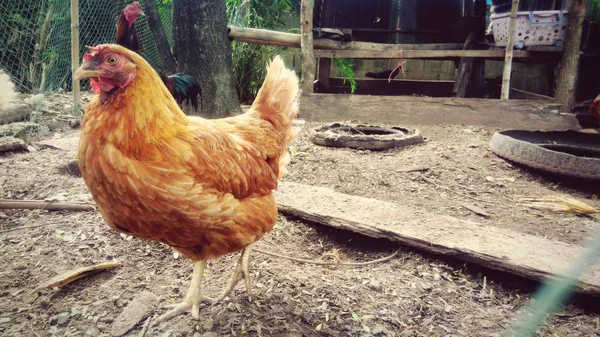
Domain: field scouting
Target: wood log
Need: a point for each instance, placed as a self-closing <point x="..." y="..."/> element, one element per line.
<point x="15" y="112"/>
<point x="308" y="57"/>
<point x="408" y="110"/>
<point x="497" y="248"/>
<point x="275" y="38"/>
<point x="508" y="56"/>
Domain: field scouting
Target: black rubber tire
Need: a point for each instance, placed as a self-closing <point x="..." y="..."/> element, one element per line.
<point x="367" y="137"/>
<point x="568" y="153"/>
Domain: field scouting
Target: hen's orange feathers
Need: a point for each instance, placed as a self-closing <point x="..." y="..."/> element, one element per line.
<point x="201" y="186"/>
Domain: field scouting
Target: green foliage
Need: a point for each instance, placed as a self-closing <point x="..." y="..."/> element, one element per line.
<point x="346" y="68"/>
<point x="249" y="60"/>
<point x="595" y="10"/>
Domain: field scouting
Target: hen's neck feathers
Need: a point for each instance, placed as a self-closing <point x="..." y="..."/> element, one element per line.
<point x="143" y="112"/>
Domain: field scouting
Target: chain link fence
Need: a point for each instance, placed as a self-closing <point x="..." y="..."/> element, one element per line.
<point x="35" y="38"/>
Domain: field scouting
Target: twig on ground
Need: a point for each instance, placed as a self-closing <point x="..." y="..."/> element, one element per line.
<point x="449" y="189"/>
<point x="146" y="326"/>
<point x="413" y="169"/>
<point x="76" y="274"/>
<point x="26" y="227"/>
<point x="322" y="263"/>
<point x="45" y="205"/>
<point x="32" y="329"/>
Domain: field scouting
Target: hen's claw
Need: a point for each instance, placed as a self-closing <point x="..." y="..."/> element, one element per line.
<point x="241" y="272"/>
<point x="191" y="305"/>
<point x="193" y="298"/>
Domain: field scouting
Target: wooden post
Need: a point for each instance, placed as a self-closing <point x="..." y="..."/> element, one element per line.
<point x="508" y="56"/>
<point x="324" y="74"/>
<point x="464" y="69"/>
<point x="478" y="71"/>
<point x="566" y="82"/>
<point x="75" y="53"/>
<point x="308" y="58"/>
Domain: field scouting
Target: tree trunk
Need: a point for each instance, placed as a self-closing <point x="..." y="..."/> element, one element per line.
<point x="203" y="50"/>
<point x="566" y="82"/>
<point x="160" y="37"/>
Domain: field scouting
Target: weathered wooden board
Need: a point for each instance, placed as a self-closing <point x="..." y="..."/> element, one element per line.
<point x="493" y="247"/>
<point x="432" y="54"/>
<point x="519" y="114"/>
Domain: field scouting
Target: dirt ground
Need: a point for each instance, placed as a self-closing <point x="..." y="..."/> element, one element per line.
<point x="414" y="294"/>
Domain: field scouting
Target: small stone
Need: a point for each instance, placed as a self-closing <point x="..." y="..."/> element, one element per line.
<point x="4" y="319"/>
<point x="62" y="318"/>
<point x="379" y="329"/>
<point x="75" y="312"/>
<point x="208" y="324"/>
<point x="210" y="334"/>
<point x="197" y="334"/>
<point x="11" y="144"/>
<point x="20" y="129"/>
<point x="375" y="285"/>
<point x="93" y="332"/>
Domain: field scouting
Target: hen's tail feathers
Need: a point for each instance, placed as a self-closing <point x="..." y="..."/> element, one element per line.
<point x="186" y="89"/>
<point x="277" y="102"/>
<point x="7" y="90"/>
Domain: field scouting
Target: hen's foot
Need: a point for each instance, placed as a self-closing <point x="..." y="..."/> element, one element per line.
<point x="193" y="297"/>
<point x="189" y="304"/>
<point x="241" y="272"/>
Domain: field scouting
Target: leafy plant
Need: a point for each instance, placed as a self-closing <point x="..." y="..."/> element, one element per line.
<point x="595" y="10"/>
<point x="346" y="68"/>
<point x="249" y="59"/>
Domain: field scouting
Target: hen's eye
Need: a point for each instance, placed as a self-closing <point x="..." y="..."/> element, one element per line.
<point x="111" y="60"/>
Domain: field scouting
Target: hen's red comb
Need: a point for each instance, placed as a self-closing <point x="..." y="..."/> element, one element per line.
<point x="93" y="51"/>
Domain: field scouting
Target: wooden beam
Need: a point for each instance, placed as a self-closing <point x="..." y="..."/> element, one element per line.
<point x="274" y="38"/>
<point x="508" y="56"/>
<point x="308" y="58"/>
<point x="425" y="54"/>
<point x="324" y="75"/>
<point x="405" y="110"/>
<point x="526" y="255"/>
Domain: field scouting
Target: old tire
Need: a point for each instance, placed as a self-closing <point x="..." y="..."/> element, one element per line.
<point x="567" y="153"/>
<point x="367" y="137"/>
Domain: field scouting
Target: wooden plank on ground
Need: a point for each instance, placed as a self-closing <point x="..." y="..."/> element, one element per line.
<point x="493" y="247"/>
<point x="518" y="114"/>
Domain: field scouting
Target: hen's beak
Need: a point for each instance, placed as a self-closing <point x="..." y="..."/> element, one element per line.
<point x="85" y="72"/>
<point x="142" y="13"/>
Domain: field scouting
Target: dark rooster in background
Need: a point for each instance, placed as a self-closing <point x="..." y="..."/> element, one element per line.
<point x="594" y="109"/>
<point x="183" y="87"/>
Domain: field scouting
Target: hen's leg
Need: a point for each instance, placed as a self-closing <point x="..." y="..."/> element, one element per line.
<point x="192" y="298"/>
<point x="241" y="272"/>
